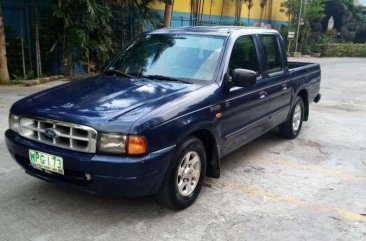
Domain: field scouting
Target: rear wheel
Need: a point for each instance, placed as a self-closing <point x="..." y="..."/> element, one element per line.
<point x="183" y="181"/>
<point x="292" y="127"/>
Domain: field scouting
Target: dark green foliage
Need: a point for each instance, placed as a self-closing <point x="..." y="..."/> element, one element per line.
<point x="291" y="8"/>
<point x="239" y="24"/>
<point x="312" y="12"/>
<point x="284" y="33"/>
<point x="348" y="20"/>
<point x="14" y="56"/>
<point x="317" y="44"/>
<point x="132" y="17"/>
<point x="50" y="43"/>
<point x="85" y="31"/>
<point x="344" y="50"/>
<point x="348" y="27"/>
<point x="92" y="31"/>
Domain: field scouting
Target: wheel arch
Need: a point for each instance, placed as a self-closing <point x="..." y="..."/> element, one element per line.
<point x="212" y="151"/>
<point x="304" y="95"/>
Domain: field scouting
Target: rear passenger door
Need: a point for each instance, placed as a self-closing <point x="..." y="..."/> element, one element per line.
<point x="278" y="91"/>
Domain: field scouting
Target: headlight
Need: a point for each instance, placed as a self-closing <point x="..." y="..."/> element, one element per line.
<point x="14" y="122"/>
<point x="112" y="143"/>
<point x="122" y="144"/>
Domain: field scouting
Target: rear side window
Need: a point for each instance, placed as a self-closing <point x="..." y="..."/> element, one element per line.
<point x="272" y="53"/>
<point x="244" y="55"/>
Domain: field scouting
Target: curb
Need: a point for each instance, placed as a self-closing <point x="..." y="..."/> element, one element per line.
<point x="43" y="80"/>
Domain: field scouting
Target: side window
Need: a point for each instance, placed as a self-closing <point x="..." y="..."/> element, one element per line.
<point x="272" y="53"/>
<point x="244" y="55"/>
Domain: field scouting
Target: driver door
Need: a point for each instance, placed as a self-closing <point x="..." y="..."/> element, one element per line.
<point x="244" y="116"/>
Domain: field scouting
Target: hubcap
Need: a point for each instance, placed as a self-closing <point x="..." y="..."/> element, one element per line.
<point x="296" y="118"/>
<point x="189" y="171"/>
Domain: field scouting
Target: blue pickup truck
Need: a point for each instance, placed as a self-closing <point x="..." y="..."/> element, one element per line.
<point x="163" y="113"/>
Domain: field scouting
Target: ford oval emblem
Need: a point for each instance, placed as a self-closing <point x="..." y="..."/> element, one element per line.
<point x="51" y="133"/>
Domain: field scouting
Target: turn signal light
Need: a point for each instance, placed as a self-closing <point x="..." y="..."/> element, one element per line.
<point x="137" y="145"/>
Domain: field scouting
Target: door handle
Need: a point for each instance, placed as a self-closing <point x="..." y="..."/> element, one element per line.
<point x="284" y="86"/>
<point x="262" y="94"/>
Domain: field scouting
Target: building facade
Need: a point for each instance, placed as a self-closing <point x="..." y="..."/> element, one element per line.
<point x="222" y="12"/>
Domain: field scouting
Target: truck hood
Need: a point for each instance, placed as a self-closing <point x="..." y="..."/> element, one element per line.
<point x="98" y="101"/>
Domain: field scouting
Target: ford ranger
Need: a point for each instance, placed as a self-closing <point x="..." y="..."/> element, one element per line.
<point x="163" y="113"/>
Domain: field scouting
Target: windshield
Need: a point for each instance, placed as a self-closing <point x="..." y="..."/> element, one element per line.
<point x="184" y="57"/>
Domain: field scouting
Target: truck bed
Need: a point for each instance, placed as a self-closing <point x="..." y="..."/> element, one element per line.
<point x="308" y="74"/>
<point x="297" y="65"/>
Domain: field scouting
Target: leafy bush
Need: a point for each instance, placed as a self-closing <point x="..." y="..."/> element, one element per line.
<point x="313" y="46"/>
<point x="344" y="50"/>
<point x="317" y="44"/>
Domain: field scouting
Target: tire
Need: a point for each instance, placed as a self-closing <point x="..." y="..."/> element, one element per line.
<point x="291" y="128"/>
<point x="184" y="178"/>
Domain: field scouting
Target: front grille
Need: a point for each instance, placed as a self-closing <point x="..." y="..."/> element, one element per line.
<point x="65" y="135"/>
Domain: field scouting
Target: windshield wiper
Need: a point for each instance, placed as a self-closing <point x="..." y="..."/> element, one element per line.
<point x="118" y="73"/>
<point x="162" y="77"/>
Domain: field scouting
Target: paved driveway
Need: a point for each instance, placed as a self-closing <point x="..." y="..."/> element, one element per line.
<point x="311" y="188"/>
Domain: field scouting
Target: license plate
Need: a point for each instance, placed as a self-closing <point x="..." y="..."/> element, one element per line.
<point x="48" y="162"/>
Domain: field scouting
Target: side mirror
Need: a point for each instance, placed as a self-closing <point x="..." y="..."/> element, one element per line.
<point x="244" y="77"/>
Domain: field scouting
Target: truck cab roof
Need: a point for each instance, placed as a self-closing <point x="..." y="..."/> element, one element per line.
<point x="214" y="30"/>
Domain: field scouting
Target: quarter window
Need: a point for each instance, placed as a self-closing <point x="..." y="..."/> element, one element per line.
<point x="272" y="53"/>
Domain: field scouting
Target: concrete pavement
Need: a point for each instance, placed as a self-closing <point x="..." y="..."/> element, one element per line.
<point x="310" y="188"/>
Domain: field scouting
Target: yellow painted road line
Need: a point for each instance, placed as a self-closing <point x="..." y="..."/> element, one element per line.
<point x="319" y="169"/>
<point x="249" y="190"/>
<point x="264" y="161"/>
<point x="329" y="102"/>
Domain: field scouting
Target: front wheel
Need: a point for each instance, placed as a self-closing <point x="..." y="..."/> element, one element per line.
<point x="183" y="181"/>
<point x="292" y="127"/>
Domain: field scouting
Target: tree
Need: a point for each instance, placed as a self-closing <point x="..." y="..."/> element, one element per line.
<point x="196" y="11"/>
<point x="211" y="4"/>
<point x="238" y="9"/>
<point x="130" y="17"/>
<point x="222" y="11"/>
<point x="263" y="4"/>
<point x="4" y="73"/>
<point x="250" y="4"/>
<point x="291" y="8"/>
<point x="348" y="20"/>
<point x="202" y="9"/>
<point x="313" y="11"/>
<point x="168" y="13"/>
<point x="144" y="15"/>
<point x="38" y="48"/>
<point x="86" y="31"/>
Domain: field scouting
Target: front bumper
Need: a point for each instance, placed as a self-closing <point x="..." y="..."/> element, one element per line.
<point x="111" y="175"/>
